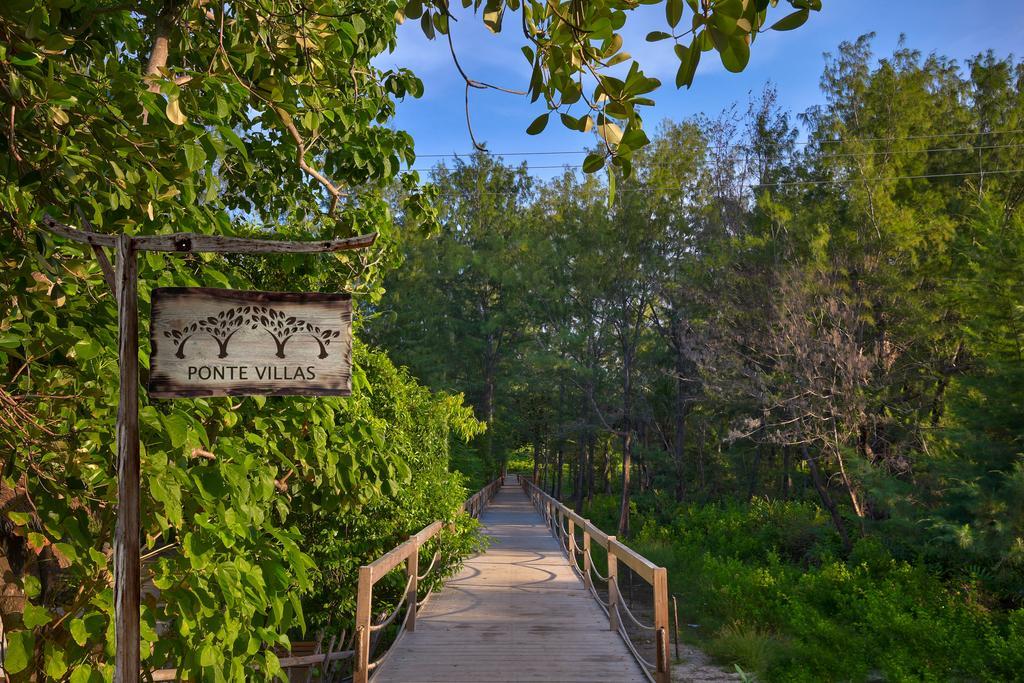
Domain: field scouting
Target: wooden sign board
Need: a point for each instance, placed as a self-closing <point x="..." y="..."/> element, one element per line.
<point x="223" y="342"/>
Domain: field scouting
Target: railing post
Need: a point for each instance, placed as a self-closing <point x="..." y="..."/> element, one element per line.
<point x="663" y="674"/>
<point x="412" y="570"/>
<point x="588" y="581"/>
<point x="613" y="586"/>
<point x="572" y="542"/>
<point x="364" y="598"/>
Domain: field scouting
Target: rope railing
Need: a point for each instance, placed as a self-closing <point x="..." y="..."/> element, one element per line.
<point x="425" y="574"/>
<point x="562" y="523"/>
<point x="599" y="575"/>
<point x="401" y="603"/>
<point x="621" y="606"/>
<point x="407" y="553"/>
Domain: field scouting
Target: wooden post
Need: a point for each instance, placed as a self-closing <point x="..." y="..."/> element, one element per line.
<point x="572" y="542"/>
<point x="661" y="626"/>
<point x="364" y="598"/>
<point x="588" y="580"/>
<point x="613" y="586"/>
<point x="412" y="569"/>
<point x="127" y="587"/>
<point x="675" y="625"/>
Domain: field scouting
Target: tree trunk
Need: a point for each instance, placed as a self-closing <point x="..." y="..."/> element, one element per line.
<point x="488" y="409"/>
<point x="754" y="473"/>
<point x="858" y="508"/>
<point x="826" y="499"/>
<point x="180" y="351"/>
<point x="606" y="473"/>
<point x="536" y="457"/>
<point x="787" y="473"/>
<point x="581" y="476"/>
<point x="679" y="442"/>
<point x="590" y="466"/>
<point x="280" y="346"/>
<point x="627" y="461"/>
<point x="557" y="483"/>
<point x="323" y="349"/>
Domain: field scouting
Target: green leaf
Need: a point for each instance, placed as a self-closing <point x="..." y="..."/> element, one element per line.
<point x="19" y="518"/>
<point x="594" y="162"/>
<point x="654" y="36"/>
<point x="611" y="188"/>
<point x="78" y="631"/>
<point x="54" y="663"/>
<point x="81" y="673"/>
<point x="634" y="139"/>
<point x="207" y="655"/>
<point x="792" y="21"/>
<point x="539" y="124"/>
<point x="32" y="585"/>
<point x="20" y="645"/>
<point x="320" y="438"/>
<point x="87" y="349"/>
<point x="735" y="54"/>
<point x="35" y="616"/>
<point x="176" y="427"/>
<point x="673" y="12"/>
<point x="194" y="156"/>
<point x="427" y="25"/>
<point x="689" y="58"/>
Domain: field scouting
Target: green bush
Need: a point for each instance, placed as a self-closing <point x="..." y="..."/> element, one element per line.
<point x="766" y="584"/>
<point x="255" y="511"/>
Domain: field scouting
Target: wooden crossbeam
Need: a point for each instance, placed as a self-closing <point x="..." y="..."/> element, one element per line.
<point x="190" y="243"/>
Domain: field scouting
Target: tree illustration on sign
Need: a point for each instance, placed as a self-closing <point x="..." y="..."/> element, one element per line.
<point x="322" y="337"/>
<point x="181" y="336"/>
<point x="223" y="326"/>
<point x="279" y="326"/>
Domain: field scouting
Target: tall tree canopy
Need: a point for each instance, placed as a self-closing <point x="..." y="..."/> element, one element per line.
<point x="246" y="118"/>
<point x="820" y="341"/>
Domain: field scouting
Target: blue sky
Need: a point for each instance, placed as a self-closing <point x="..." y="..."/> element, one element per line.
<point x="793" y="61"/>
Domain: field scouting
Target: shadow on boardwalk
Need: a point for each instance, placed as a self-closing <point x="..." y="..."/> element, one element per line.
<point x="517" y="612"/>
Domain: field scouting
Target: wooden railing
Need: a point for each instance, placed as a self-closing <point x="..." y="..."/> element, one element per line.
<point x="564" y="523"/>
<point x="409" y="553"/>
<point x="476" y="503"/>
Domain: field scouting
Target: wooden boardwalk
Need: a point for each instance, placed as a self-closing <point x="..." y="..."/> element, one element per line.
<point x="516" y="612"/>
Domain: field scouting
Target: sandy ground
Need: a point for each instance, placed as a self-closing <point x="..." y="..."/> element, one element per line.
<point x="697" y="667"/>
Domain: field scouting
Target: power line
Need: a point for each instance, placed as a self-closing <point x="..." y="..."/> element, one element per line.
<point x="818" y="156"/>
<point x="964" y="134"/>
<point x="795" y="183"/>
<point x="799" y="142"/>
<point x="884" y="178"/>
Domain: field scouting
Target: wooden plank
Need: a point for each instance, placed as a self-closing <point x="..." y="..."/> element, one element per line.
<point x="127" y="584"/>
<point x="428" y="532"/>
<point x="412" y="569"/>
<point x="661" y="627"/>
<point x="222" y="342"/>
<point x="634" y="560"/>
<point x="364" y="605"/>
<point x="613" y="589"/>
<point x="516" y="612"/>
<point x="391" y="559"/>
<point x="188" y="242"/>
<point x="597" y="536"/>
<point x="286" y="662"/>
